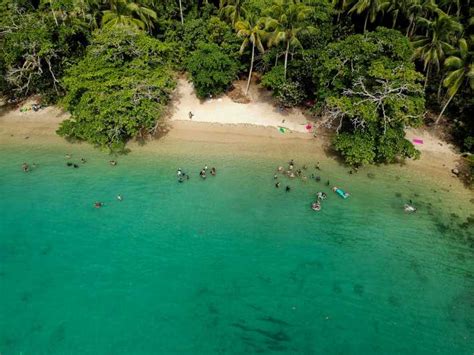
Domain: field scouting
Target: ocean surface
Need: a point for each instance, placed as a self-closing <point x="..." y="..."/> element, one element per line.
<point x="230" y="264"/>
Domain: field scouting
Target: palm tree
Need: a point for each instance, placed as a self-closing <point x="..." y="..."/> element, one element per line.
<point x="252" y="30"/>
<point x="432" y="47"/>
<point x="232" y="10"/>
<point x="371" y="7"/>
<point x="287" y="19"/>
<point x="340" y="6"/>
<point x="397" y="8"/>
<point x="126" y="13"/>
<point x="460" y="70"/>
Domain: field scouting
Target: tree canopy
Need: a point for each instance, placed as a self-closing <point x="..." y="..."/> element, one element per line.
<point x="119" y="90"/>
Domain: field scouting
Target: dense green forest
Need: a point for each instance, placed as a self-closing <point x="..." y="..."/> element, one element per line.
<point x="371" y="68"/>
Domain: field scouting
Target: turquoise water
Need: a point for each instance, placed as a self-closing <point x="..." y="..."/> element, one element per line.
<point x="230" y="264"/>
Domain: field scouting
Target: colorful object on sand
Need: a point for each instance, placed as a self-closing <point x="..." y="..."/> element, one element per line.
<point x="417" y="140"/>
<point x="340" y="192"/>
<point x="282" y="129"/>
<point x="309" y="126"/>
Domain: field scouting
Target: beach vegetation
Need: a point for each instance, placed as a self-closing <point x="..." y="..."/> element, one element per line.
<point x="367" y="82"/>
<point x="119" y="90"/>
<point x="211" y="70"/>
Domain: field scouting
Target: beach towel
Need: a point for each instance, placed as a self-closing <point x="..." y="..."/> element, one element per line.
<point x="417" y="140"/>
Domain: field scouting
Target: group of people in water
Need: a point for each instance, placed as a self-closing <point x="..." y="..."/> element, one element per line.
<point x="292" y="172"/>
<point x="183" y="176"/>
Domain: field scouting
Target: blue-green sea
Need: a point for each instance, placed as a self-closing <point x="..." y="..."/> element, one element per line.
<point x="230" y="264"/>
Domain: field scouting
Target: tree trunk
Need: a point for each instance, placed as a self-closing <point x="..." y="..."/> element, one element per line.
<point x="181" y="12"/>
<point x="409" y="25"/>
<point x="438" y="95"/>
<point x="286" y="54"/>
<point x="251" y="68"/>
<point x="365" y="22"/>
<point x="444" y="108"/>
<point x="54" y="15"/>
<point x="427" y="76"/>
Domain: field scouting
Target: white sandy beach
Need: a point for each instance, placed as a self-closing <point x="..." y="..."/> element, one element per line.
<point x="261" y="110"/>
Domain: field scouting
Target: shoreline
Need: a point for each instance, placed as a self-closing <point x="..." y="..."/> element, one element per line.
<point x="437" y="160"/>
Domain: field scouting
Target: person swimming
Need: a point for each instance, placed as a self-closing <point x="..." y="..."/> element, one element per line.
<point x="119" y="197"/>
<point x="25" y="167"/>
<point x="275" y="176"/>
<point x="68" y="156"/>
<point x="328" y="183"/>
<point x="202" y="173"/>
<point x="69" y="163"/>
<point x="113" y="162"/>
<point x="280" y="168"/>
<point x="98" y="204"/>
<point x="213" y="171"/>
<point x="321" y="196"/>
<point x="317" y="166"/>
<point x="288" y="188"/>
<point x="75" y="165"/>
<point x="277" y="185"/>
<point x="318" y="178"/>
<point x="83" y="161"/>
<point x="179" y="172"/>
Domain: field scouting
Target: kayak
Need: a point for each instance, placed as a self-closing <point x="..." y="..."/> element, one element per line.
<point x="340" y="192"/>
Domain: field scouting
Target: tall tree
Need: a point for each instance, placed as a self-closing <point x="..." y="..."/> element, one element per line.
<point x="287" y="19"/>
<point x="127" y="13"/>
<point x="460" y="68"/>
<point x="371" y="8"/>
<point x="252" y="30"/>
<point x="340" y="6"/>
<point x="232" y="10"/>
<point x="431" y="48"/>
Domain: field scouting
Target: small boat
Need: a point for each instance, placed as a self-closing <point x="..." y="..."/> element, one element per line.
<point x="340" y="192"/>
<point x="316" y="206"/>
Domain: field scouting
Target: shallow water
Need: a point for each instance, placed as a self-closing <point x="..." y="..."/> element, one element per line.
<point x="230" y="264"/>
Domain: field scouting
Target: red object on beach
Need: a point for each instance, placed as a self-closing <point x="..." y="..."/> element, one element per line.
<point x="308" y="126"/>
<point x="417" y="140"/>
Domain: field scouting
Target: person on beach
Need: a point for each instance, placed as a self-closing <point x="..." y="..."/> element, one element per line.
<point x="190" y="114"/>
<point x="317" y="166"/>
<point x="113" y="162"/>
<point x="288" y="188"/>
<point x="213" y="171"/>
<point x="25" y="167"/>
